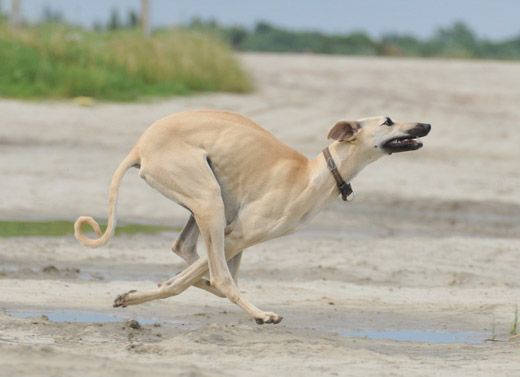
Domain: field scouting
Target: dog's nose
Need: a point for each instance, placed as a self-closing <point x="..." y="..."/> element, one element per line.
<point x="427" y="127"/>
<point x="420" y="130"/>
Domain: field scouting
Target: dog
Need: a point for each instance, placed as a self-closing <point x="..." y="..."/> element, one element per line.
<point x="242" y="186"/>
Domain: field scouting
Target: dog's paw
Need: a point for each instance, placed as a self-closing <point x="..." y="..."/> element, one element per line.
<point x="269" y="317"/>
<point x="123" y="300"/>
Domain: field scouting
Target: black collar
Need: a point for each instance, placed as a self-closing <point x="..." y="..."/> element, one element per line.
<point x="344" y="188"/>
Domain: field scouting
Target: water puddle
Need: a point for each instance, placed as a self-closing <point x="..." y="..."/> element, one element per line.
<point x="77" y="316"/>
<point x="419" y="336"/>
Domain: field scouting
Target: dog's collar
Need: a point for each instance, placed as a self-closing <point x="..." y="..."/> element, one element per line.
<point x="344" y="188"/>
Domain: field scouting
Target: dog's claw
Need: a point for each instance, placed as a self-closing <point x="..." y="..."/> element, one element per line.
<point x="271" y="318"/>
<point x="118" y="302"/>
<point x="121" y="300"/>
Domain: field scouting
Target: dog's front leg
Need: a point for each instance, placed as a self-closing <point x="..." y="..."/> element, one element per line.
<point x="211" y="221"/>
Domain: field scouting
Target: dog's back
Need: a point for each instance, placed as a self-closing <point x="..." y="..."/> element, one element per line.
<point x="240" y="152"/>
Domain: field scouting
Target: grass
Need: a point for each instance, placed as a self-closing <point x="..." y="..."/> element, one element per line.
<point x="61" y="61"/>
<point x="514" y="327"/>
<point x="65" y="228"/>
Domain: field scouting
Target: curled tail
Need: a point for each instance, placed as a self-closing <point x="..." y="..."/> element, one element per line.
<point x="130" y="160"/>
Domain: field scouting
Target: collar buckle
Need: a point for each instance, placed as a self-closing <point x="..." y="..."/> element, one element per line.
<point x="347" y="194"/>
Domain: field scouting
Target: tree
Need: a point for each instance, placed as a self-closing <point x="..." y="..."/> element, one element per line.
<point x="50" y="15"/>
<point x="133" y="19"/>
<point x="237" y="35"/>
<point x="114" y="22"/>
<point x="457" y="40"/>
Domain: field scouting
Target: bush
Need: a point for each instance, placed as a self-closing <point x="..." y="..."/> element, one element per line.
<point x="59" y="61"/>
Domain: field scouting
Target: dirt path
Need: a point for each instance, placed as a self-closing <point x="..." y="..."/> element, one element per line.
<point x="409" y="280"/>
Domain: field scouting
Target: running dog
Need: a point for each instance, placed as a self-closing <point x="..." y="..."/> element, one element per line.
<point x="242" y="187"/>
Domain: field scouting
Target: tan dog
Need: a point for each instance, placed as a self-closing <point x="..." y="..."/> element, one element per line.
<point x="242" y="186"/>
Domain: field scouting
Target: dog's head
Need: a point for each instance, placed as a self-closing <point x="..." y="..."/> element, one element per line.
<point x="380" y="135"/>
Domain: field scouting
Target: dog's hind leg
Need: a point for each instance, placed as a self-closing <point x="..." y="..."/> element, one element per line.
<point x="199" y="191"/>
<point x="185" y="246"/>
<point x="176" y="285"/>
<point x="234" y="265"/>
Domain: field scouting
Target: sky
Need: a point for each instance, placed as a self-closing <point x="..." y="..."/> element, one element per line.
<point x="492" y="19"/>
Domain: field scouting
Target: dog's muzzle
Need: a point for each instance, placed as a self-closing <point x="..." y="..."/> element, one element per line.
<point x="407" y="142"/>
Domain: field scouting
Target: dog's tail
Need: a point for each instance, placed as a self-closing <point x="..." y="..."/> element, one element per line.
<point x="130" y="160"/>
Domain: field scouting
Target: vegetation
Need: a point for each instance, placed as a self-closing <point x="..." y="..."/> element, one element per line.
<point x="455" y="41"/>
<point x="115" y="61"/>
<point x="514" y="326"/>
<point x="64" y="228"/>
<point x="55" y="60"/>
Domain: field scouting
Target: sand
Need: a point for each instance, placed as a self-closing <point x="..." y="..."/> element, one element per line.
<point x="419" y="276"/>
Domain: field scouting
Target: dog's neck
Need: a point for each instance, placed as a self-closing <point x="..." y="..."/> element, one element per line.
<point x="348" y="158"/>
<point x="319" y="186"/>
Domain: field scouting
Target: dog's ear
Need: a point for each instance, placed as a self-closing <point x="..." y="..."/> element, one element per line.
<point x="344" y="131"/>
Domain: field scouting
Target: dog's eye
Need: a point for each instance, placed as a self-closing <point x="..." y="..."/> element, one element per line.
<point x="388" y="122"/>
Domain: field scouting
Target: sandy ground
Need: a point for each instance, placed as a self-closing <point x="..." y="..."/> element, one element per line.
<point x="429" y="249"/>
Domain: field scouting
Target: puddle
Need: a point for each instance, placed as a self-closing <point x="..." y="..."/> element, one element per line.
<point x="77" y="316"/>
<point x="419" y="336"/>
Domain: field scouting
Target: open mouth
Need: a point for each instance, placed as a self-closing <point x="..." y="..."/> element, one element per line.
<point x="402" y="144"/>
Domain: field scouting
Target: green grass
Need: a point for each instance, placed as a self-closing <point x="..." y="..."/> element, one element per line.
<point x="60" y="61"/>
<point x="514" y="326"/>
<point x="64" y="228"/>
